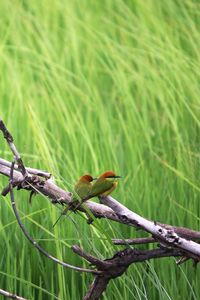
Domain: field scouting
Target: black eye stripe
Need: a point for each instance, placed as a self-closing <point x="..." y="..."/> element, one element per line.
<point x="112" y="176"/>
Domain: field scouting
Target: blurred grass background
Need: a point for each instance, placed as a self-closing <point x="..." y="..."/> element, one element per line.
<point x="88" y="86"/>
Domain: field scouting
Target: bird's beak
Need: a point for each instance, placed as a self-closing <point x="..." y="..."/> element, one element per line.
<point x="114" y="177"/>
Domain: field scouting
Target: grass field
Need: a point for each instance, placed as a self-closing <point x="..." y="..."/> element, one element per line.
<point x="88" y="86"/>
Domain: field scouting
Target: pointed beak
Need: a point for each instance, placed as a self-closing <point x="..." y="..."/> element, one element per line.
<point x="114" y="177"/>
<point x="117" y="177"/>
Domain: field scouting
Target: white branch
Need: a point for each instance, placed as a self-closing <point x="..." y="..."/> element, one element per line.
<point x="31" y="171"/>
<point x="10" y="295"/>
<point x="166" y="236"/>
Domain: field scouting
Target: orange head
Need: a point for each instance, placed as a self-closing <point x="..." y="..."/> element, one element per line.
<point x="87" y="178"/>
<point x="109" y="174"/>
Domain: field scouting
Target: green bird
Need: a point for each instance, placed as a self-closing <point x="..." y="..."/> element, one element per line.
<point x="82" y="190"/>
<point x="105" y="184"/>
<point x="85" y="190"/>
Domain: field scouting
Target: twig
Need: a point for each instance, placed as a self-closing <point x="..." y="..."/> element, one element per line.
<point x="136" y="241"/>
<point x="26" y="233"/>
<point x="16" y="154"/>
<point x="10" y="295"/>
<point x="182" y="260"/>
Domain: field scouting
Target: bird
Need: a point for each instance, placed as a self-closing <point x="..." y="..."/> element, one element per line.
<point x="85" y="189"/>
<point x="82" y="190"/>
<point x="105" y="184"/>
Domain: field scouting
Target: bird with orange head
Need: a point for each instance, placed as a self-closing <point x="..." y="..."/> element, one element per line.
<point x="85" y="188"/>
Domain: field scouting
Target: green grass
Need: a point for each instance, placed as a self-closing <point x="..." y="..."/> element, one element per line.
<point x="88" y="86"/>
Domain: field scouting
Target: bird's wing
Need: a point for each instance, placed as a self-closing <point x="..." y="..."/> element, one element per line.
<point x="100" y="187"/>
<point x="82" y="190"/>
<point x="108" y="192"/>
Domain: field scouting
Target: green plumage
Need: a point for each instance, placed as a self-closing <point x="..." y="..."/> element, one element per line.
<point x="102" y="186"/>
<point x="82" y="190"/>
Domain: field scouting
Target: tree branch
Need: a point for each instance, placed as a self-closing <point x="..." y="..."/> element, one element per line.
<point x="60" y="196"/>
<point x="10" y="295"/>
<point x="9" y="140"/>
<point x="31" y="171"/>
<point x="167" y="237"/>
<point x="117" y="265"/>
<point x="136" y="241"/>
<point x="174" y="241"/>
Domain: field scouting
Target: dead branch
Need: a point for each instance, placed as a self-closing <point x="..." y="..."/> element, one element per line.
<point x="167" y="237"/>
<point x="10" y="295"/>
<point x="117" y="265"/>
<point x="174" y="241"/>
<point x="31" y="171"/>
<point x="136" y="241"/>
<point x="60" y="196"/>
<point x="16" y="154"/>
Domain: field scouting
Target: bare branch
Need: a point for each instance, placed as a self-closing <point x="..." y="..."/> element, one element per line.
<point x="4" y="170"/>
<point x="167" y="236"/>
<point x="60" y="196"/>
<point x="97" y="288"/>
<point x="31" y="171"/>
<point x="136" y="241"/>
<point x="10" y="295"/>
<point x="117" y="265"/>
<point x="46" y="187"/>
<point x="16" y="154"/>
<point x="92" y="259"/>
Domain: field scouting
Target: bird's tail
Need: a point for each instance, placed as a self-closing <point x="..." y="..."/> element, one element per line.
<point x="63" y="213"/>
